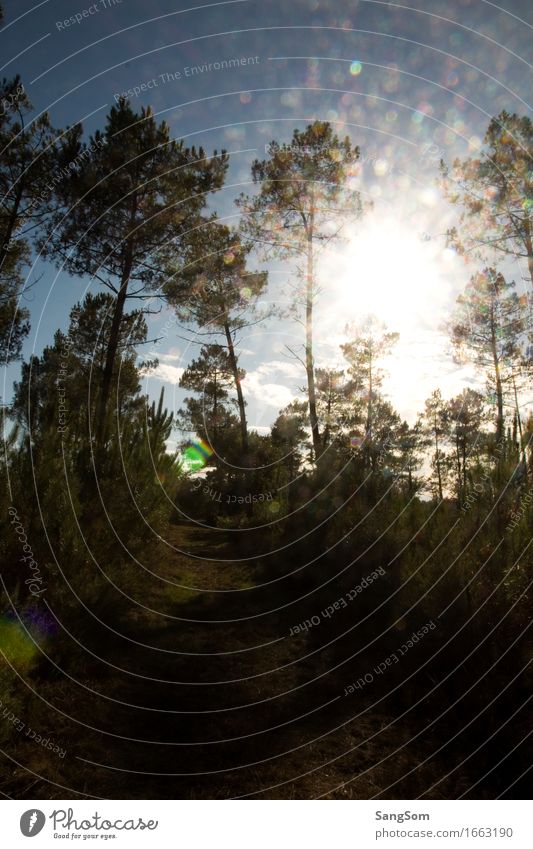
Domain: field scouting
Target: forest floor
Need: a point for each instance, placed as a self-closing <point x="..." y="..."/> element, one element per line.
<point x="206" y="695"/>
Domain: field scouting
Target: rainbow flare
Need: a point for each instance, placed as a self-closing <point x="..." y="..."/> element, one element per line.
<point x="357" y="440"/>
<point x="20" y="639"/>
<point x="196" y="455"/>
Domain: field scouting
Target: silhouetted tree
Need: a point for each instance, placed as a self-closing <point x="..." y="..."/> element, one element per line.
<point x="465" y="415"/>
<point x="435" y="428"/>
<point x="28" y="164"/>
<point x="494" y="192"/>
<point x="210" y="417"/>
<point x="369" y="344"/>
<point x="215" y="291"/>
<point x="303" y="202"/>
<point x="487" y="328"/>
<point x="128" y="207"/>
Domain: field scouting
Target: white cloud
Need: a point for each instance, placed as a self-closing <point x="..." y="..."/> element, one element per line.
<point x="262" y="430"/>
<point x="167" y="373"/>
<point x="170" y="356"/>
<point x="289" y="369"/>
<point x="275" y="395"/>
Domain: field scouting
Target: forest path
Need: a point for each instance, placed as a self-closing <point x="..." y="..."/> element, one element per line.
<point x="229" y="706"/>
<point x="203" y="693"/>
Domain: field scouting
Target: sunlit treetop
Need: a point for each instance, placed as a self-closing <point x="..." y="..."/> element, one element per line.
<point x="303" y="190"/>
<point x="495" y="192"/>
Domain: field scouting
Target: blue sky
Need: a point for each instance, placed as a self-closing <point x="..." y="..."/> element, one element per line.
<point x="396" y="77"/>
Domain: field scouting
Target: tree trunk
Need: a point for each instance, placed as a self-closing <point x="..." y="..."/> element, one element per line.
<point x="238" y="387"/>
<point x="240" y="400"/>
<point x="522" y="447"/>
<point x="112" y="345"/>
<point x="369" y="411"/>
<point x="529" y="248"/>
<point x="458" y="470"/>
<point x="437" y="458"/>
<point x="10" y="226"/>
<point x="215" y="415"/>
<point x="309" y="360"/>
<point x="497" y="376"/>
<point x="327" y="428"/>
<point x="114" y="334"/>
<point x="369" y="452"/>
<point x="465" y="477"/>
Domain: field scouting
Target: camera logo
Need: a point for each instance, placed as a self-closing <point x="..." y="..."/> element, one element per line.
<point x="32" y="822"/>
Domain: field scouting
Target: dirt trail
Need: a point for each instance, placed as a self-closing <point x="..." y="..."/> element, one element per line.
<point x="205" y="697"/>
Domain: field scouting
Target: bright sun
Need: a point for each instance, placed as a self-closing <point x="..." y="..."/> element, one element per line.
<point x="408" y="280"/>
<point x="387" y="268"/>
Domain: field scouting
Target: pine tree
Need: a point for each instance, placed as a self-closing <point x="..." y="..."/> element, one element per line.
<point x="410" y="445"/>
<point x="56" y="388"/>
<point x="435" y="428"/>
<point x="303" y="203"/>
<point x="370" y="342"/>
<point x="288" y="434"/>
<point x="495" y="192"/>
<point x="215" y="291"/>
<point x="465" y="415"/>
<point x="126" y="210"/>
<point x="487" y="328"/>
<point x="333" y="403"/>
<point x="210" y="417"/>
<point x="28" y="161"/>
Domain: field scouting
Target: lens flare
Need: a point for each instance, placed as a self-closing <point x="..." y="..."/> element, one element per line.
<point x="16" y="640"/>
<point x="196" y="455"/>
